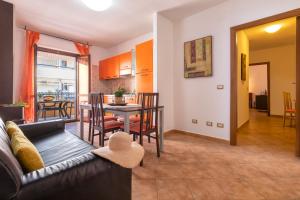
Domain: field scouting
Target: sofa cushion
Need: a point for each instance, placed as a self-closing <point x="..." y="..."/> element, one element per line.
<point x="26" y="153"/>
<point x="10" y="169"/>
<point x="60" y="146"/>
<point x="12" y="128"/>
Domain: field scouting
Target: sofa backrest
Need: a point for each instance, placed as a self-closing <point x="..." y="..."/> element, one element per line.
<point x="10" y="169"/>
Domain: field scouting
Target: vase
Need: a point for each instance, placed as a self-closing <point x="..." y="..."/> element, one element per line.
<point x="119" y="100"/>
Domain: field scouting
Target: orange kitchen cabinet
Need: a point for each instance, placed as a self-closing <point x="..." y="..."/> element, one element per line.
<point x="114" y="70"/>
<point x="103" y="69"/>
<point x="125" y="60"/>
<point x="144" y="57"/>
<point x="125" y="63"/>
<point x="144" y="82"/>
<point x="105" y="99"/>
<point x="109" y="68"/>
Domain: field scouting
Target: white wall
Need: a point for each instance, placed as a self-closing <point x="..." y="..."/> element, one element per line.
<point x="242" y="86"/>
<point x="282" y="73"/>
<point x="163" y="66"/>
<point x="97" y="53"/>
<point x="129" y="44"/>
<point x="258" y="79"/>
<point x="198" y="98"/>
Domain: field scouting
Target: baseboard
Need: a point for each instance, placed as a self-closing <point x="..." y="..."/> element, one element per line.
<point x="170" y="132"/>
<point x="243" y="125"/>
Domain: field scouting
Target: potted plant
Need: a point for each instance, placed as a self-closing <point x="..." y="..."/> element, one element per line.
<point x="119" y="95"/>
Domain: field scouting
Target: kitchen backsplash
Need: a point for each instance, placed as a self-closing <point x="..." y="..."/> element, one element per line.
<point x="109" y="86"/>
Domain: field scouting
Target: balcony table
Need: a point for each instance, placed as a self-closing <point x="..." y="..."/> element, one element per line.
<point x="125" y="111"/>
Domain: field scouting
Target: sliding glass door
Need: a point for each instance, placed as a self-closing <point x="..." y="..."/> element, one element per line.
<point x="55" y="85"/>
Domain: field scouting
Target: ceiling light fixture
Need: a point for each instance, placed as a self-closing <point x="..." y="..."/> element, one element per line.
<point x="97" y="5"/>
<point x="273" y="28"/>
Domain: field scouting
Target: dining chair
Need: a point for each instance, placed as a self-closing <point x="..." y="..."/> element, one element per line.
<point x="88" y="119"/>
<point x="54" y="106"/>
<point x="134" y="118"/>
<point x="98" y="122"/>
<point x="288" y="108"/>
<point x="148" y="122"/>
<point x="68" y="107"/>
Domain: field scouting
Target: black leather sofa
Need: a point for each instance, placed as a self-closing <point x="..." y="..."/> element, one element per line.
<point x="71" y="171"/>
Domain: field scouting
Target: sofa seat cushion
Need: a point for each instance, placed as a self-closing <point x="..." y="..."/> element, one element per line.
<point x="60" y="146"/>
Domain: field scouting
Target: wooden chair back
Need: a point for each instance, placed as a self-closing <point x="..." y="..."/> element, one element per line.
<point x="139" y="98"/>
<point x="149" y="112"/>
<point x="97" y="112"/>
<point x="287" y="101"/>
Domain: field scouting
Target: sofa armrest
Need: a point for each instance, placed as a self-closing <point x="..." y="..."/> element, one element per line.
<point x="42" y="128"/>
<point x="85" y="177"/>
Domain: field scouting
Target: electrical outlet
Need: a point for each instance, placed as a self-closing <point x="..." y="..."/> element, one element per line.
<point x="209" y="123"/>
<point x="220" y="87"/>
<point x="194" y="121"/>
<point x="220" y="125"/>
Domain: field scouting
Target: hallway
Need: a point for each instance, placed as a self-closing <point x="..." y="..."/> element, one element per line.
<point x="263" y="133"/>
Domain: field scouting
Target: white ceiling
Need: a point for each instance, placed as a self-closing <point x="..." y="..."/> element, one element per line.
<point x="125" y="20"/>
<point x="259" y="39"/>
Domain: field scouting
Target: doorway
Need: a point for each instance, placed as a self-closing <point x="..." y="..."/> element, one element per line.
<point x="234" y="72"/>
<point x="61" y="83"/>
<point x="259" y="87"/>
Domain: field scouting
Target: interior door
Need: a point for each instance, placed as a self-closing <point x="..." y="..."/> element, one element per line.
<point x="83" y="81"/>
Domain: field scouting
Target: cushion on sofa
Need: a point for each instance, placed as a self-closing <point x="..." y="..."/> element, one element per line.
<point x="26" y="153"/>
<point x="12" y="128"/>
<point x="60" y="146"/>
<point x="10" y="169"/>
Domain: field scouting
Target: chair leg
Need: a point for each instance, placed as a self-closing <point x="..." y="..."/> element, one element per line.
<point x="133" y="137"/>
<point x="149" y="139"/>
<point x="284" y="116"/>
<point x="93" y="133"/>
<point x="141" y="143"/>
<point x="102" y="138"/>
<point x="291" y="119"/>
<point x="90" y="131"/>
<point x="157" y="143"/>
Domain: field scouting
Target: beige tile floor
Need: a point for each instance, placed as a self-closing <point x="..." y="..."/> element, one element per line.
<point x="262" y="166"/>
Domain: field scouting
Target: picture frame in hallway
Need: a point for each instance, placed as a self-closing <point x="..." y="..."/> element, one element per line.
<point x="243" y="66"/>
<point x="198" y="58"/>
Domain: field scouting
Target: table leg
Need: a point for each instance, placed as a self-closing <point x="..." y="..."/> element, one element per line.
<point x="161" y="129"/>
<point x="81" y="123"/>
<point x="126" y="123"/>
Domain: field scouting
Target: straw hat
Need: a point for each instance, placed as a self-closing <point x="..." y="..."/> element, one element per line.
<point x="121" y="150"/>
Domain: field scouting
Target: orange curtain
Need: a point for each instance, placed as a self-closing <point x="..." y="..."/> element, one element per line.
<point x="27" y="87"/>
<point x="83" y="49"/>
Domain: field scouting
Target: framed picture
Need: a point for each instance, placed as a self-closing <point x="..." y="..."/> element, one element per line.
<point x="198" y="58"/>
<point x="243" y="66"/>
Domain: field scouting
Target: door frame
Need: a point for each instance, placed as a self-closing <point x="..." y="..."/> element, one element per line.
<point x="59" y="52"/>
<point x="77" y="82"/>
<point x="268" y="83"/>
<point x="233" y="70"/>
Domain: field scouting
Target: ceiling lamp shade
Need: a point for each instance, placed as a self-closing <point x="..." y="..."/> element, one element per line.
<point x="97" y="5"/>
<point x="273" y="28"/>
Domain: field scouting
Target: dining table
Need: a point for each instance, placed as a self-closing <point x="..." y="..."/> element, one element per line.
<point x="124" y="111"/>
